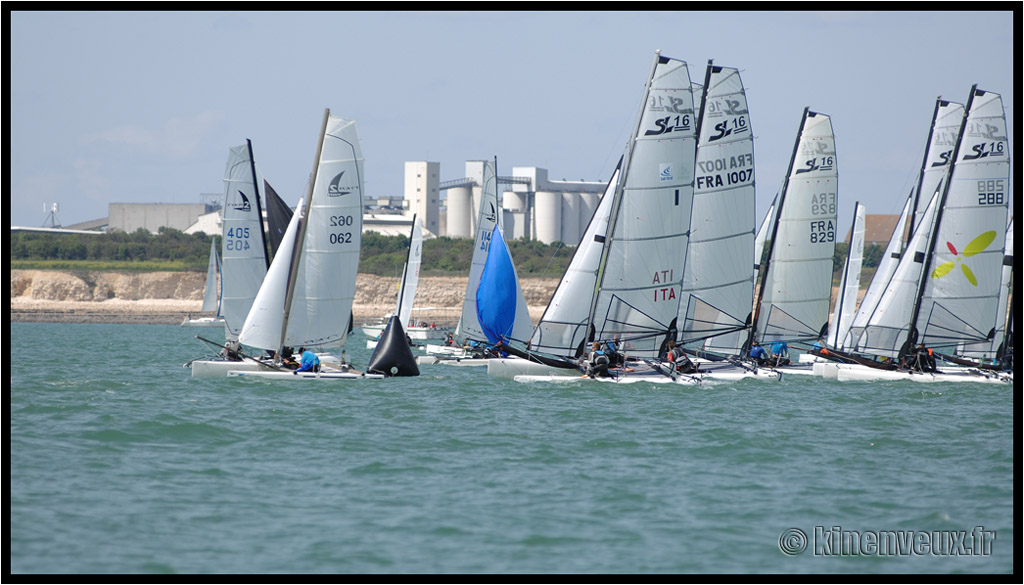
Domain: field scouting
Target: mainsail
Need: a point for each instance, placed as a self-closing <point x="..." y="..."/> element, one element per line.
<point x="211" y="298"/>
<point x="796" y="289"/>
<point x="243" y="248"/>
<point x="640" y="275"/>
<point x="307" y="297"/>
<point x="961" y="283"/>
<point x="411" y="275"/>
<point x="942" y="138"/>
<point x="717" y="284"/>
<point x="849" y="285"/>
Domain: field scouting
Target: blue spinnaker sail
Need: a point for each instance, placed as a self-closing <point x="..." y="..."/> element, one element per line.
<point x="497" y="292"/>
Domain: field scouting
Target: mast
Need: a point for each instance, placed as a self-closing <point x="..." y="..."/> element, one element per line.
<point x="293" y="271"/>
<point x="259" y="210"/>
<point x="775" y="231"/>
<point x="912" y="332"/>
<point x="613" y="217"/>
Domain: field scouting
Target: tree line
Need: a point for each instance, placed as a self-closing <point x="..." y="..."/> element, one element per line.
<point x="381" y="255"/>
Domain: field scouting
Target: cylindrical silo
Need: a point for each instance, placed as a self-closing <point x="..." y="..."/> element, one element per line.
<point x="570" y="219"/>
<point x="548" y="214"/>
<point x="588" y="203"/>
<point x="460" y="210"/>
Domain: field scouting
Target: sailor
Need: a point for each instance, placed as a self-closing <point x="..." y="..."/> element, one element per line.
<point x="819" y="347"/>
<point x="230" y="351"/>
<point x="680" y="361"/>
<point x="310" y="363"/>
<point x="449" y="339"/>
<point x="925" y="359"/>
<point x="597" y="362"/>
<point x="758" y="354"/>
<point x="615" y="357"/>
<point x="780" y="353"/>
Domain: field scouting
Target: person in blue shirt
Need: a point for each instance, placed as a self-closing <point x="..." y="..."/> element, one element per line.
<point x="780" y="353"/>
<point x="758" y="354"/>
<point x="310" y="363"/>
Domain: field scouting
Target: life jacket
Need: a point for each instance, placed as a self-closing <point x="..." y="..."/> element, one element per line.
<point x="598" y="358"/>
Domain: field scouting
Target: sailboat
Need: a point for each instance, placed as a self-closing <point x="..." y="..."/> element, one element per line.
<point x="244" y="258"/>
<point x="472" y="329"/>
<point x="211" y="296"/>
<point x="406" y="294"/>
<point x="945" y="290"/>
<point x="625" y="280"/>
<point x="306" y="298"/>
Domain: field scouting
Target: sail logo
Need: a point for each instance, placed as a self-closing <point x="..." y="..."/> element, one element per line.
<point x="665" y="172"/>
<point x="492" y="215"/>
<point x="943" y="159"/>
<point x="976" y="246"/>
<point x="244" y="206"/>
<point x="336" y="189"/>
<point x="812" y="164"/>
<point x="670" y="124"/>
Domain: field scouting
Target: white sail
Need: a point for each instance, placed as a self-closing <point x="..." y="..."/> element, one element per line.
<point x="211" y="297"/>
<point x="325" y="238"/>
<point x="989" y="349"/>
<point x="717" y="284"/>
<point x="562" y="329"/>
<point x="797" y="289"/>
<point x="882" y="276"/>
<point x="487" y="218"/>
<point x="243" y="252"/>
<point x="849" y="285"/>
<point x="262" y="326"/>
<point x="762" y="235"/>
<point x="962" y="280"/>
<point x="885" y="330"/>
<point x="410" y="276"/>
<point x="639" y="282"/>
<point x="942" y="138"/>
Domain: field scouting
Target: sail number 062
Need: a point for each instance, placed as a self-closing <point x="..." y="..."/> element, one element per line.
<point x="340" y="237"/>
<point x="990" y="192"/>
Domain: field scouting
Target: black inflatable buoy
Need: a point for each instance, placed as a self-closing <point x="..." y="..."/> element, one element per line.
<point x="393" y="356"/>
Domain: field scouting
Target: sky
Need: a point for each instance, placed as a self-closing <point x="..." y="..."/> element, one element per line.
<point x="142" y="107"/>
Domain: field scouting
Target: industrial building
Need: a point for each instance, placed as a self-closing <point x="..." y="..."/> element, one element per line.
<point x="532" y="207"/>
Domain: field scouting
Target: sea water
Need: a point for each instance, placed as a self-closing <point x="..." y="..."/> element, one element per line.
<point x="121" y="462"/>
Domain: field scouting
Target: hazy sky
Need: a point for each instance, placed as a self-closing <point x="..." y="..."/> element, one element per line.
<point x="118" y="107"/>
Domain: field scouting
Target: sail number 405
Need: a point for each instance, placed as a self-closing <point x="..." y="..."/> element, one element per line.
<point x="990" y="192"/>
<point x="341" y="238"/>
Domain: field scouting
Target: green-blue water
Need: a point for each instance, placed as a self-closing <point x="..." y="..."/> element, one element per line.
<point x="120" y="462"/>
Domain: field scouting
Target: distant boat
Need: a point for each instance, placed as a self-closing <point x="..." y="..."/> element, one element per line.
<point x="474" y="329"/>
<point x="211" y="297"/>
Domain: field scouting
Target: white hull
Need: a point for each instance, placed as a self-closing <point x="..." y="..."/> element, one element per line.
<point x="203" y="322"/>
<point x="854" y="372"/>
<point x="509" y="368"/>
<point x="322" y="375"/>
<point x="432" y="360"/>
<point x="222" y="368"/>
<point x="418" y="333"/>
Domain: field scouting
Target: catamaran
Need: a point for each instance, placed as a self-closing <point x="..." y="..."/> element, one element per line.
<point x="945" y="291"/>
<point x="244" y="258"/>
<point x="510" y="309"/>
<point x="211" y="295"/>
<point x="306" y="298"/>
